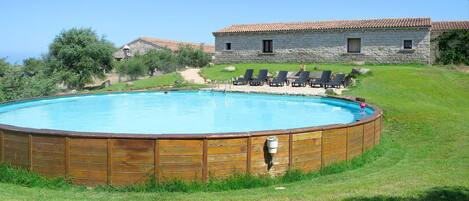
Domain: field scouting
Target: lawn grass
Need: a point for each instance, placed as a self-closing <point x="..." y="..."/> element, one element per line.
<point x="173" y="80"/>
<point x="217" y="72"/>
<point x="425" y="146"/>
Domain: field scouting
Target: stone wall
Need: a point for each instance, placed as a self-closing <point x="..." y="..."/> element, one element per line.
<point x="137" y="47"/>
<point x="377" y="46"/>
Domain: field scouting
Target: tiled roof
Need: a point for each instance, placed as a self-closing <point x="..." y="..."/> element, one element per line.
<point x="174" y="45"/>
<point x="327" y="25"/>
<point x="449" y="25"/>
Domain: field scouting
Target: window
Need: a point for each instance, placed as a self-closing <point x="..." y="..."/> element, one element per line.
<point x="407" y="44"/>
<point x="354" y="45"/>
<point x="267" y="46"/>
<point x="227" y="46"/>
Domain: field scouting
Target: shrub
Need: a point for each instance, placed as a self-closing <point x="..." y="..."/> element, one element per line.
<point x="195" y="57"/>
<point x="132" y="67"/>
<point x="454" y="47"/>
<point x="160" y="60"/>
<point x="26" y="81"/>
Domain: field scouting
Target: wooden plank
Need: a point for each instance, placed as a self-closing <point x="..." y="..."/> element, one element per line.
<point x="306" y="151"/>
<point x="227" y="149"/>
<point x="368" y="136"/>
<point x="181" y="159"/>
<point x="174" y="161"/>
<point x="248" y="155"/>
<point x="132" y="161"/>
<point x="16" y="149"/>
<point x="109" y="162"/>
<point x="354" y="141"/>
<point x="382" y="123"/>
<point x="48" y="155"/>
<point x="377" y="131"/>
<point x="1" y="147"/>
<point x="334" y="146"/>
<point x="260" y="156"/>
<point x="157" y="161"/>
<point x="307" y="136"/>
<point x="30" y="154"/>
<point x="67" y="157"/>
<point x="205" y="161"/>
<point x="226" y="157"/>
<point x="88" y="161"/>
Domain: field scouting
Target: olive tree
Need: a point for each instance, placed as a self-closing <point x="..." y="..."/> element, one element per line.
<point x="195" y="57"/>
<point x="78" y="56"/>
<point x="132" y="67"/>
<point x="160" y="59"/>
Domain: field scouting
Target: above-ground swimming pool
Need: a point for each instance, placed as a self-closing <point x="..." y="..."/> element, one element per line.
<point x="127" y="138"/>
<point x="183" y="112"/>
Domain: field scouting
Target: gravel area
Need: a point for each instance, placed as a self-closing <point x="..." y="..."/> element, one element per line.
<point x="274" y="90"/>
<point x="192" y="75"/>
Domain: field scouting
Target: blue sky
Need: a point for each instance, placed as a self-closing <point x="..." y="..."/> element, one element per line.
<point x="28" y="27"/>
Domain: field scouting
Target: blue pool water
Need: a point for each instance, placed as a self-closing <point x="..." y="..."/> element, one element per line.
<point x="181" y="112"/>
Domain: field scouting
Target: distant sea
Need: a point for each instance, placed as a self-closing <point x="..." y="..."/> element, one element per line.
<point x="18" y="57"/>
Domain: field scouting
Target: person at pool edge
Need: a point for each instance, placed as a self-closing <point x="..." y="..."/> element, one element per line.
<point x="362" y="107"/>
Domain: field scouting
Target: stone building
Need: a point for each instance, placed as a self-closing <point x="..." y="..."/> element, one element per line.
<point x="143" y="44"/>
<point x="402" y="40"/>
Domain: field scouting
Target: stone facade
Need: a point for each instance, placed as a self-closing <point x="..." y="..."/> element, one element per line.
<point x="137" y="47"/>
<point x="377" y="46"/>
<point x="144" y="44"/>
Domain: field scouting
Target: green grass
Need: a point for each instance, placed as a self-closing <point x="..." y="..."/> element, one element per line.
<point x="217" y="72"/>
<point x="163" y="81"/>
<point x="425" y="146"/>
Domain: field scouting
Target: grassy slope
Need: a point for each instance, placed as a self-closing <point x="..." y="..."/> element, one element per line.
<point x="426" y="140"/>
<point x="166" y="80"/>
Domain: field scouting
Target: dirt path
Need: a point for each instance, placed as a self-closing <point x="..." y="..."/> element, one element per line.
<point x="192" y="75"/>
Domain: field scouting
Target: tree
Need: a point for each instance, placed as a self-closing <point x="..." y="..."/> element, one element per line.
<point x="132" y="67"/>
<point x="195" y="57"/>
<point x="4" y="67"/>
<point x="32" y="66"/>
<point x="78" y="56"/>
<point x="161" y="59"/>
<point x="454" y="47"/>
<point x="17" y="83"/>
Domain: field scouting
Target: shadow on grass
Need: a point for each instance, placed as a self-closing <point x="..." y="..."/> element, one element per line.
<point x="446" y="193"/>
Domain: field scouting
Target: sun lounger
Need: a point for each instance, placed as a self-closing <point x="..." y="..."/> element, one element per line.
<point x="302" y="80"/>
<point x="337" y="81"/>
<point x="261" y="78"/>
<point x="245" y="79"/>
<point x="280" y="80"/>
<point x="325" y="78"/>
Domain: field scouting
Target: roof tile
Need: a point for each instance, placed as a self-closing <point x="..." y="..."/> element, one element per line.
<point x="449" y="25"/>
<point x="326" y="25"/>
<point x="174" y="45"/>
